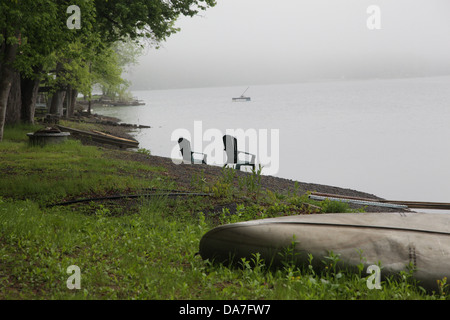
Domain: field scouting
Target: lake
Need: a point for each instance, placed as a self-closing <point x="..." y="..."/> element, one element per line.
<point x="385" y="137"/>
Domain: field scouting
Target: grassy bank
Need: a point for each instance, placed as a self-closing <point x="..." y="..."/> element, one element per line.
<point x="145" y="248"/>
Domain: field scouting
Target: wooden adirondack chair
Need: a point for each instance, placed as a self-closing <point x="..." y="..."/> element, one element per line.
<point x="230" y="147"/>
<point x="188" y="154"/>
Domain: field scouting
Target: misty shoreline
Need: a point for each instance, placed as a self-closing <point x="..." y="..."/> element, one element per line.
<point x="184" y="174"/>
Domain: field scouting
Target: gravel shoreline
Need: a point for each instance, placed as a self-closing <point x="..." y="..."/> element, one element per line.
<point x="183" y="174"/>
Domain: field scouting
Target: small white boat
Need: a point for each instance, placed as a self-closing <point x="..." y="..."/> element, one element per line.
<point x="242" y="98"/>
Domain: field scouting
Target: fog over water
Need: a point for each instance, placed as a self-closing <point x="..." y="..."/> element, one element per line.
<point x="387" y="137"/>
<point x="248" y="42"/>
<point x="369" y="107"/>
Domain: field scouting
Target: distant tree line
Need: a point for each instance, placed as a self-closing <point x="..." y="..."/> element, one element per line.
<point x="72" y="45"/>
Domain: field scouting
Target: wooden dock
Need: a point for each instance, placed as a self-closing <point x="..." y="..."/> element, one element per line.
<point x="102" y="137"/>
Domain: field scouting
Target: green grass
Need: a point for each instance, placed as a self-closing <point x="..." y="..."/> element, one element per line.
<point x="146" y="250"/>
<point x="18" y="132"/>
<point x="150" y="255"/>
<point x="66" y="170"/>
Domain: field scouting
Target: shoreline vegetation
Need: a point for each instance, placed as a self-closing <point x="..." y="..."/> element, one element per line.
<point x="145" y="247"/>
<point x="105" y="101"/>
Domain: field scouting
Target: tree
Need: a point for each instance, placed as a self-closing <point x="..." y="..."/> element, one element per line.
<point x="8" y="50"/>
<point x="111" y="64"/>
<point x="107" y="73"/>
<point x="152" y="19"/>
<point x="31" y="31"/>
<point x="69" y="72"/>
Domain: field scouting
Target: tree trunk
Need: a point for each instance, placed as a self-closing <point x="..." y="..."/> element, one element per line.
<point x="30" y="91"/>
<point x="72" y="102"/>
<point x="56" y="106"/>
<point x="14" y="103"/>
<point x="9" y="52"/>
<point x="89" y="104"/>
<point x="68" y="100"/>
<point x="90" y="89"/>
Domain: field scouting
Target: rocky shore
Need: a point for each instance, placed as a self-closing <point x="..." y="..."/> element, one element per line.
<point x="183" y="174"/>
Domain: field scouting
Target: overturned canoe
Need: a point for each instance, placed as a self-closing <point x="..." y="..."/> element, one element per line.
<point x="395" y="240"/>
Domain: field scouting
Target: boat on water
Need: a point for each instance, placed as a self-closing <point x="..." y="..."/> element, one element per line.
<point x="242" y="98"/>
<point x="393" y="241"/>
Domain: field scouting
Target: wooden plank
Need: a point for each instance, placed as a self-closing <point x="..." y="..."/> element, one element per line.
<point x="114" y="137"/>
<point x="410" y="204"/>
<point x="103" y="138"/>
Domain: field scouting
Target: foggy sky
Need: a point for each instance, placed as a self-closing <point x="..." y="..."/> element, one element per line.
<point x="250" y="42"/>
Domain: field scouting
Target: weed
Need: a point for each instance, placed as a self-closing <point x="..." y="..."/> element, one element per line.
<point x="222" y="190"/>
<point x="228" y="175"/>
<point x="443" y="287"/>
<point x="198" y="182"/>
<point x="144" y="151"/>
<point x="149" y="253"/>
<point x="329" y="206"/>
<point x="251" y="182"/>
<point x="289" y="255"/>
<point x="331" y="262"/>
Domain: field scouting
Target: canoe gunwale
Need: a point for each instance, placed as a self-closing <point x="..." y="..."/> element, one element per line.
<point x="325" y="224"/>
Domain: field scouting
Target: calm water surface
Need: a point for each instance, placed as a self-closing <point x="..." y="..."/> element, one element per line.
<point x="386" y="137"/>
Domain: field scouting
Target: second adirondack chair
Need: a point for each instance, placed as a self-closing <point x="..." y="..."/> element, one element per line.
<point x="230" y="147"/>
